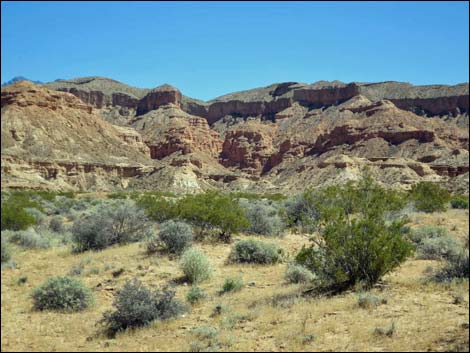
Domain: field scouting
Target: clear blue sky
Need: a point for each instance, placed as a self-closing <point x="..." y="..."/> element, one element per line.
<point x="207" y="49"/>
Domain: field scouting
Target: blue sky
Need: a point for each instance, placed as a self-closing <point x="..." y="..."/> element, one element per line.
<point x="207" y="49"/>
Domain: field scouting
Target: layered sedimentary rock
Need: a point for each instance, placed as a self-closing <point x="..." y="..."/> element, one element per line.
<point x="283" y="137"/>
<point x="41" y="127"/>
<point x="169" y="129"/>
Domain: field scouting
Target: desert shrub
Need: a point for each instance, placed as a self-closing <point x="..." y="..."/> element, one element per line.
<point x="263" y="217"/>
<point x="118" y="223"/>
<point x="420" y="234"/>
<point x="356" y="242"/>
<point x="136" y="306"/>
<point x="296" y="273"/>
<point x="29" y="239"/>
<point x="13" y="213"/>
<point x="301" y="211"/>
<point x="255" y="251"/>
<point x="456" y="267"/>
<point x="158" y="208"/>
<point x="437" y="248"/>
<point x="233" y="284"/>
<point x="176" y="235"/>
<point x="196" y="265"/>
<point x="369" y="301"/>
<point x="63" y="205"/>
<point x="62" y="293"/>
<point x="460" y="202"/>
<point x="213" y="212"/>
<point x="56" y="224"/>
<point x="195" y="294"/>
<point x="429" y="197"/>
<point x="39" y="217"/>
<point x="6" y="250"/>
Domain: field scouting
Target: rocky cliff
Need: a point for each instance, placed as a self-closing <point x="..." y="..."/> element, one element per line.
<point x="282" y="137"/>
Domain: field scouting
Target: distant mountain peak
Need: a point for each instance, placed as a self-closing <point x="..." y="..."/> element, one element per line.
<point x="17" y="79"/>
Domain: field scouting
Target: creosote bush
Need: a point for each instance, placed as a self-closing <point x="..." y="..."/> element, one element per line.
<point x="255" y="251"/>
<point x="120" y="222"/>
<point x="213" y="213"/>
<point x="429" y="197"/>
<point x="176" y="236"/>
<point x="358" y="240"/>
<point x="136" y="306"/>
<point x="459" y="202"/>
<point x="62" y="294"/>
<point x="13" y="213"/>
<point x="196" y="266"/>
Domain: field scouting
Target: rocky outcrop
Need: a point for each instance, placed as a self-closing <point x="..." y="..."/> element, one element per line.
<point x="42" y="128"/>
<point x="248" y="147"/>
<point x="158" y="97"/>
<point x="430" y="100"/>
<point x="168" y="130"/>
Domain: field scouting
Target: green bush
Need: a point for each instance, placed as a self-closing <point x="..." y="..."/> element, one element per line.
<point x="63" y="294"/>
<point x="263" y="217"/>
<point x="6" y="250"/>
<point x="176" y="235"/>
<point x="429" y="197"/>
<point x="195" y="294"/>
<point x="296" y="273"/>
<point x="136" y="306"/>
<point x="255" y="251"/>
<point x="196" y="265"/>
<point x="118" y="223"/>
<point x="158" y="208"/>
<point x="460" y="202"/>
<point x="358" y="241"/>
<point x="232" y="285"/>
<point x="456" y="267"/>
<point x="13" y="213"/>
<point x="213" y="212"/>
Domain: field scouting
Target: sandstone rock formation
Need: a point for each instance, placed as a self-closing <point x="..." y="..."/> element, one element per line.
<point x="283" y="137"/>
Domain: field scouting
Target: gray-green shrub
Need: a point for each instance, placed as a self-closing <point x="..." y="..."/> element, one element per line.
<point x="263" y="217"/>
<point x="196" y="266"/>
<point x="56" y="224"/>
<point x="255" y="251"/>
<point x="29" y="239"/>
<point x="296" y="273"/>
<point x="63" y="294"/>
<point x="176" y="236"/>
<point x="119" y="222"/>
<point x="195" y="294"/>
<point x="456" y="267"/>
<point x="438" y="248"/>
<point x="6" y="250"/>
<point x="137" y="306"/>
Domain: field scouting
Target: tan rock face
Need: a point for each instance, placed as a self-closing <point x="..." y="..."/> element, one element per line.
<point x="41" y="127"/>
<point x="168" y="130"/>
<point x="158" y="97"/>
<point x="248" y="147"/>
<point x="283" y="137"/>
